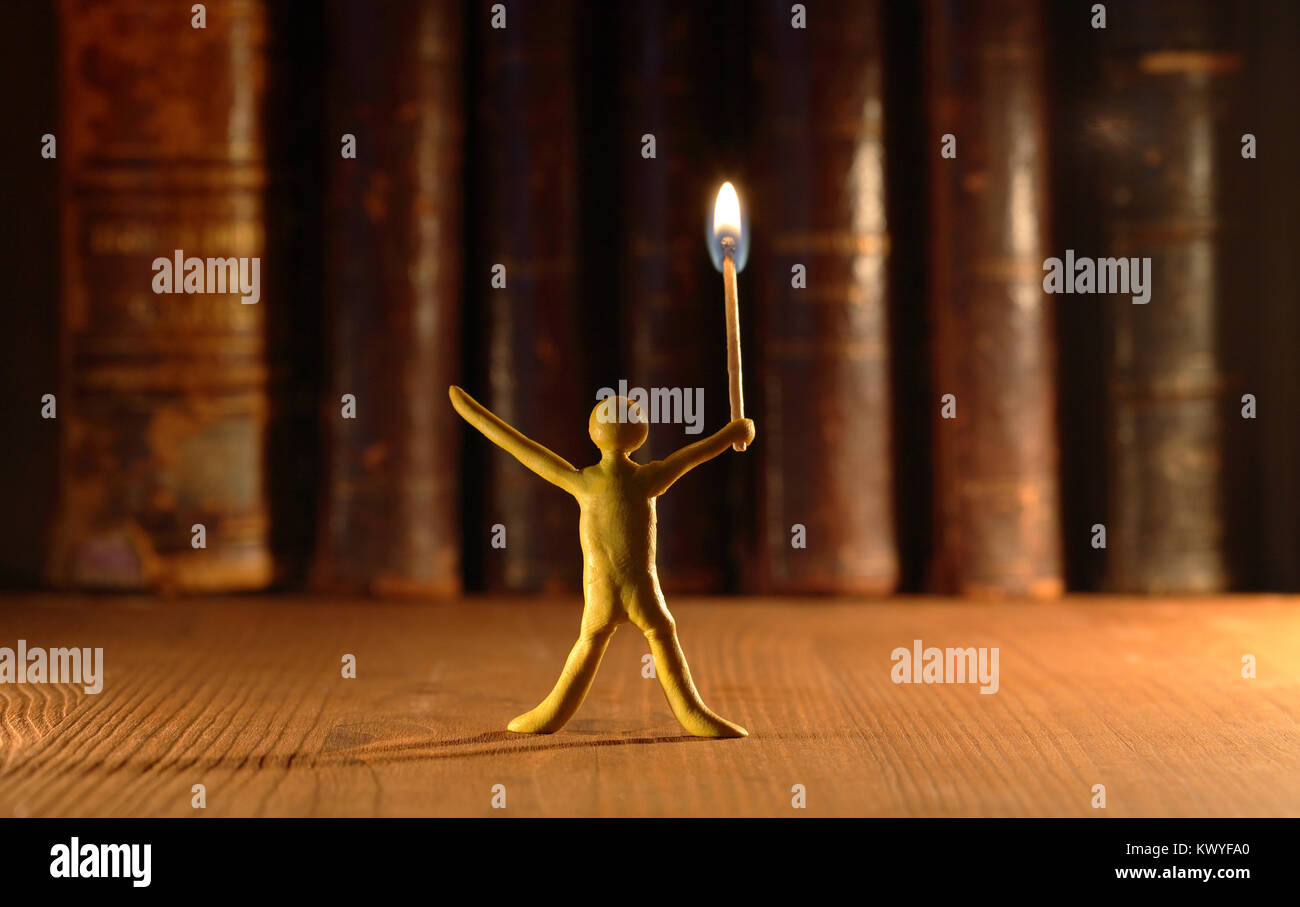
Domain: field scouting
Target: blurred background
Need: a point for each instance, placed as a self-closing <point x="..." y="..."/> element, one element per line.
<point x="1095" y="445"/>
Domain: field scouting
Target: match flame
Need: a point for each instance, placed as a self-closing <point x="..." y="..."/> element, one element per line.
<point x="726" y="212"/>
<point x="727" y="223"/>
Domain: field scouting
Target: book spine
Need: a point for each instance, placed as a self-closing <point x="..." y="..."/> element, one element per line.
<point x="1168" y="85"/>
<point x="1267" y="517"/>
<point x="672" y="313"/>
<point x="391" y="521"/>
<point x="163" y="397"/>
<point x="527" y="210"/>
<point x="823" y="361"/>
<point x="30" y="258"/>
<point x="995" y="452"/>
<point x="296" y="202"/>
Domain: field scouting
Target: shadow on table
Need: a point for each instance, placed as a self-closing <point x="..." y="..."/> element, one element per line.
<point x="490" y="743"/>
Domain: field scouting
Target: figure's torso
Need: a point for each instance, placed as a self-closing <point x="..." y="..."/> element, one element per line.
<point x="617" y="526"/>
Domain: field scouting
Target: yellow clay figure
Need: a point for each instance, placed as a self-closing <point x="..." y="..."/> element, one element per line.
<point x="617" y="529"/>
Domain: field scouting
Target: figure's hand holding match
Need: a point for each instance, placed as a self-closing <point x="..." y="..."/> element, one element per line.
<point x="741" y="430"/>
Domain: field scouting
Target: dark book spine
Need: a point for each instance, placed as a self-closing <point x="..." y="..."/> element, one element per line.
<point x="671" y="302"/>
<point x="823" y="360"/>
<point x="297" y="199"/>
<point x="30" y="258"/>
<point x="995" y="453"/>
<point x="163" y="397"/>
<point x="391" y="521"/>
<point x="1168" y="86"/>
<point x="1267" y="317"/>
<point x="527" y="210"/>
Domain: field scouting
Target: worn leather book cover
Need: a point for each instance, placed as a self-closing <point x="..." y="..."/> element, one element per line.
<point x="671" y="298"/>
<point x="391" y="506"/>
<point x="822" y="363"/>
<point x="527" y="281"/>
<point x="995" y="452"/>
<point x="1169" y="85"/>
<point x="163" y="395"/>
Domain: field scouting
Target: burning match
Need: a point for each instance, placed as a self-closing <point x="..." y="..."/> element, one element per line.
<point x="726" y="237"/>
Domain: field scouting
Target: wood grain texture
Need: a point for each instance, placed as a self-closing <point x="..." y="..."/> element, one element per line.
<point x="245" y="696"/>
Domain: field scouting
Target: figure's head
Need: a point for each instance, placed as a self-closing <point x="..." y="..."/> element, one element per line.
<point x="609" y="433"/>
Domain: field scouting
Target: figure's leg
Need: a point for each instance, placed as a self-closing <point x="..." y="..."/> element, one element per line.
<point x="651" y="616"/>
<point x="575" y="680"/>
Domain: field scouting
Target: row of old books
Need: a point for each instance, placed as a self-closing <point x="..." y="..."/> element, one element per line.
<point x="439" y="200"/>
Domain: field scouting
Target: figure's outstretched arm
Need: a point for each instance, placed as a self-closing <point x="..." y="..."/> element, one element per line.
<point x="547" y="464"/>
<point x="663" y="473"/>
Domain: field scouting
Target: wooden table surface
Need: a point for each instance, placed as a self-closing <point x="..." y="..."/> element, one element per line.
<point x="245" y="696"/>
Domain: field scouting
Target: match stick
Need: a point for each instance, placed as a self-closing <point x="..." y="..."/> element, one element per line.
<point x="733" y="335"/>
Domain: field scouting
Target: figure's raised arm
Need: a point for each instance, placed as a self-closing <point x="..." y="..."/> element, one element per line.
<point x="663" y="473"/>
<point x="546" y="463"/>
